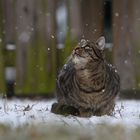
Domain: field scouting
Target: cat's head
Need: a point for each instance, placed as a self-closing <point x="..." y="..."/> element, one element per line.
<point x="88" y="52"/>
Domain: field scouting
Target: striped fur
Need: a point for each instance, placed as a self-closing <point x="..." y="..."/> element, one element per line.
<point x="87" y="82"/>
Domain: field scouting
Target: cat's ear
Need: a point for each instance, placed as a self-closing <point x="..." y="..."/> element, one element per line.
<point x="100" y="43"/>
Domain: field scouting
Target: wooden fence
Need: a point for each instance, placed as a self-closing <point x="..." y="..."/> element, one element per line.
<point x="36" y="36"/>
<point x="29" y="52"/>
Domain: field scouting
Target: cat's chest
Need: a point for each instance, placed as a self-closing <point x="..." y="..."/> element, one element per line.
<point x="88" y="79"/>
<point x="84" y="77"/>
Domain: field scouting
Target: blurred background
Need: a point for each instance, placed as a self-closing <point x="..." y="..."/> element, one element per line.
<point x="36" y="37"/>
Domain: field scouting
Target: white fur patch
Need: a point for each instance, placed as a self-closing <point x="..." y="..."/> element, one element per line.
<point x="76" y="60"/>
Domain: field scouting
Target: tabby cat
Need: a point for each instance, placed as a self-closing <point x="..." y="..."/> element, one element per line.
<point x="87" y="85"/>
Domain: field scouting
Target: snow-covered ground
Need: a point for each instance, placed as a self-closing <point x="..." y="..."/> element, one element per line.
<point x="19" y="112"/>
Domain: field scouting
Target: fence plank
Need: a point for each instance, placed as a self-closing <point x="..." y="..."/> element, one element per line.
<point x="72" y="29"/>
<point x="35" y="34"/>
<point x="36" y="66"/>
<point x="2" y="80"/>
<point x="24" y="42"/>
<point x="136" y="42"/>
<point x="51" y="62"/>
<point x="123" y="14"/>
<point x="92" y="19"/>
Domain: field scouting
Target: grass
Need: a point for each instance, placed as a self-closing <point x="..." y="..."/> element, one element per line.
<point x="51" y="132"/>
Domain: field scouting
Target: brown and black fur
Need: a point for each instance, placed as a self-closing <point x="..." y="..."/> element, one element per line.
<point x="87" y="85"/>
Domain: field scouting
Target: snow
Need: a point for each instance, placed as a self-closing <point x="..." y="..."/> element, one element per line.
<point x="52" y="36"/>
<point x="95" y="30"/>
<point x="19" y="112"/>
<point x="32" y="29"/>
<point x="116" y="14"/>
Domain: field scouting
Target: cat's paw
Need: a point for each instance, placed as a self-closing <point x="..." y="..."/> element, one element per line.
<point x="85" y="112"/>
<point x="55" y="108"/>
<point x="64" y="109"/>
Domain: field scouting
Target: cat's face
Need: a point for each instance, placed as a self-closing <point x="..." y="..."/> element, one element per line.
<point x="87" y="52"/>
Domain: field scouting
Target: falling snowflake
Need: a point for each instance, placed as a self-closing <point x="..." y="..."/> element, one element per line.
<point x="125" y="62"/>
<point x="48" y="14"/>
<point x="114" y="24"/>
<point x="95" y="30"/>
<point x="32" y="29"/>
<point x="116" y="71"/>
<point x="52" y="36"/>
<point x="103" y="90"/>
<point x="122" y="27"/>
<point x="16" y="28"/>
<point x="133" y="88"/>
<point x="20" y="17"/>
<point x="116" y="14"/>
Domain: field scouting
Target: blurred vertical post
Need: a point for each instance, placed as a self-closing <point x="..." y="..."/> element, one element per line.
<point x="92" y="12"/>
<point x="69" y="37"/>
<point x="63" y="33"/>
<point x="123" y="30"/>
<point x="75" y="19"/>
<point x="136" y="45"/>
<point x="45" y="43"/>
<point x="9" y="21"/>
<point x="73" y="26"/>
<point x="25" y="59"/>
<point x="9" y="45"/>
<point x="2" y="79"/>
<point x="36" y="60"/>
<point x="51" y="48"/>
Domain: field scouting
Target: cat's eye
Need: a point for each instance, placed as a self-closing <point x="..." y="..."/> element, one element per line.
<point x="88" y="48"/>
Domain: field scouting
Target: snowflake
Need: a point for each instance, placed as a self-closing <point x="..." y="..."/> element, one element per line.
<point x="52" y="36"/>
<point x="116" y="14"/>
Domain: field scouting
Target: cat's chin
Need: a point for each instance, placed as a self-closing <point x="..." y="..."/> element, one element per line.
<point x="76" y="60"/>
<point x="78" y="63"/>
